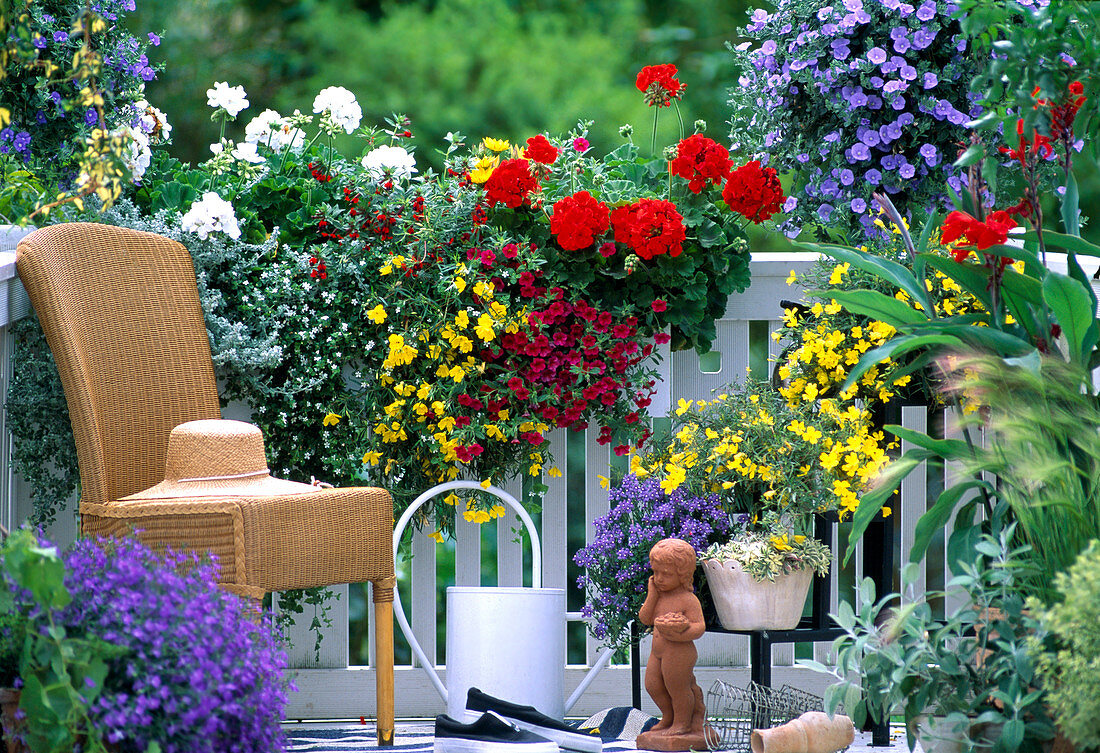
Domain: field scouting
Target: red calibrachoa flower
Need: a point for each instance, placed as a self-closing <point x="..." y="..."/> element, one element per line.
<point x="701" y="160"/>
<point x="754" y="192"/>
<point x="649" y="226"/>
<point x="510" y="184"/>
<point x="578" y="220"/>
<point x="659" y="84"/>
<point x="976" y="234"/>
<point x="540" y="150"/>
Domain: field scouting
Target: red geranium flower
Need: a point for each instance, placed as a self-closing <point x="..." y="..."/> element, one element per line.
<point x="754" y="191"/>
<point x="659" y="84"/>
<point x="649" y="226"/>
<point x="979" y="235"/>
<point x="578" y="220"/>
<point x="701" y="160"/>
<point x="510" y="183"/>
<point x="540" y="150"/>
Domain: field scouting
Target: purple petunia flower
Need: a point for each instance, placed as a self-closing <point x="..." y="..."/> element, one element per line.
<point x="91" y="117"/>
<point x="21" y="141"/>
<point x="930" y="80"/>
<point x="859" y="206"/>
<point x="923" y="37"/>
<point x="898" y="102"/>
<point x="908" y="72"/>
<point x="907" y="171"/>
<point x="873" y="176"/>
<point x="860" y="151"/>
<point x="830" y="188"/>
<point x="1067" y="59"/>
<point x="868" y="136"/>
<point x="60" y="36"/>
<point x="824" y="212"/>
<point x="790" y="204"/>
<point x="931" y="154"/>
<point x="769" y="47"/>
<point x="824" y="13"/>
<point x="876" y="55"/>
<point x="154" y="39"/>
<point x="847" y="177"/>
<point x="927" y="10"/>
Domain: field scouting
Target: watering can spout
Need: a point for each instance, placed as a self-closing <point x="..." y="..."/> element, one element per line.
<point x="509" y="642"/>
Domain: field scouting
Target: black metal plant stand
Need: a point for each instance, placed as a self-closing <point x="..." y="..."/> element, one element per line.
<point x="878" y="564"/>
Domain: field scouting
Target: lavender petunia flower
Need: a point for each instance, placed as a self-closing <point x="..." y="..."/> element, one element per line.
<point x="769" y="47"/>
<point x="868" y="136"/>
<point x="930" y="80"/>
<point x="927" y="10"/>
<point x="859" y="206"/>
<point x="847" y="177"/>
<point x="931" y="154"/>
<point x="923" y="37"/>
<point x="873" y="176"/>
<point x="860" y="151"/>
<point x="876" y="55"/>
<point x="907" y="171"/>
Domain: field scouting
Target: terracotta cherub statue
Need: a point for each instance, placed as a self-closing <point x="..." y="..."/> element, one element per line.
<point x="673" y="610"/>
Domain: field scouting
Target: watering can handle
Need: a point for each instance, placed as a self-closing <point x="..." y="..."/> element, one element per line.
<point x="399" y="529"/>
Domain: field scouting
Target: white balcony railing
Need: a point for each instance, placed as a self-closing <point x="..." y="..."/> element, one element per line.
<point x="333" y="688"/>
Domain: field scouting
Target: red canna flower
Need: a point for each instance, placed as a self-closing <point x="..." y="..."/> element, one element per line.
<point x="976" y="234"/>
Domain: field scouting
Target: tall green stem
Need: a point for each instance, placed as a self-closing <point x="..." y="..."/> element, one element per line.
<point x="653" y="141"/>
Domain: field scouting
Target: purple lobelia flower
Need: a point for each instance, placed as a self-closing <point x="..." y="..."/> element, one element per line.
<point x="199" y="673"/>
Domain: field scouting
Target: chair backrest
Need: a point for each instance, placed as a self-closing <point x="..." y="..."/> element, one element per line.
<point x="122" y="316"/>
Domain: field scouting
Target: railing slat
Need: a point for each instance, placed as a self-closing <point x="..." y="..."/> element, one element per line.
<point x="555" y="530"/>
<point x="424" y="607"/>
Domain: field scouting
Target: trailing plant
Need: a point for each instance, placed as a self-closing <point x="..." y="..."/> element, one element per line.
<point x="852" y="98"/>
<point x="771" y="550"/>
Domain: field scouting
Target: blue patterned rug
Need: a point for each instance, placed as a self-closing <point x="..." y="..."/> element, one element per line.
<point x="617" y="727"/>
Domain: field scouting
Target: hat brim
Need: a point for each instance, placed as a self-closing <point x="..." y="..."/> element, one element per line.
<point x="262" y="486"/>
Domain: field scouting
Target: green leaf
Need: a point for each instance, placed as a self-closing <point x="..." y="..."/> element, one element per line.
<point x="1069" y="242"/>
<point x="948" y="449"/>
<point x="937" y="517"/>
<point x="876" y="305"/>
<point x="890" y="271"/>
<point x="894" y="348"/>
<point x="994" y="340"/>
<point x="1073" y="308"/>
<point x="884" y="486"/>
<point x="971" y="278"/>
<point x="1071" y="216"/>
<point x="971" y="156"/>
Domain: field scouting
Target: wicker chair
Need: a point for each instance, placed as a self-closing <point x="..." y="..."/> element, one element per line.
<point x="121" y="312"/>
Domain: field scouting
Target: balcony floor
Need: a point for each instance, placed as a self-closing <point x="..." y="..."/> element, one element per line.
<point x="415" y="736"/>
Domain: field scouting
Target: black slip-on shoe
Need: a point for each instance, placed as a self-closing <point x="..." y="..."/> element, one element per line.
<point x="489" y="734"/>
<point x="531" y="719"/>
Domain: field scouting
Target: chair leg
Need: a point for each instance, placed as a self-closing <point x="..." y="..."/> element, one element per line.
<point x="383" y="667"/>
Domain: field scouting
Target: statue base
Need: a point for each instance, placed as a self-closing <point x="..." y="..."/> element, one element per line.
<point x="665" y="742"/>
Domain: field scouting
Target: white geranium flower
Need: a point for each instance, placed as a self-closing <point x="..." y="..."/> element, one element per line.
<point x="211" y="214"/>
<point x="232" y="99"/>
<point x="273" y="130"/>
<point x="340" y="106"/>
<point x="392" y="161"/>
<point x="247" y="153"/>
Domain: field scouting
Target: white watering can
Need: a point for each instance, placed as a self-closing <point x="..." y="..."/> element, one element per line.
<point x="508" y="642"/>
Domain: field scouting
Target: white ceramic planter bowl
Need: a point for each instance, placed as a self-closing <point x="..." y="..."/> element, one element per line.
<point x="744" y="603"/>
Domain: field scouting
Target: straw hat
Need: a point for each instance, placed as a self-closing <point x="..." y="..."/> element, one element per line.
<point x="218" y="458"/>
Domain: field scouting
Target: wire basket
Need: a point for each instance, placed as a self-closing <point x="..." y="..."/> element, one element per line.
<point x="733" y="712"/>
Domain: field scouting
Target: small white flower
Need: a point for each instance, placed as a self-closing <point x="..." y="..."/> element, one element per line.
<point x="232" y="99"/>
<point x="211" y="214"/>
<point x="341" y="107"/>
<point x="247" y="153"/>
<point x="273" y="130"/>
<point x="392" y="161"/>
<point x="136" y="154"/>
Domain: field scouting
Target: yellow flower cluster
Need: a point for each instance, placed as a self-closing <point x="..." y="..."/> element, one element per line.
<point x="754" y="446"/>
